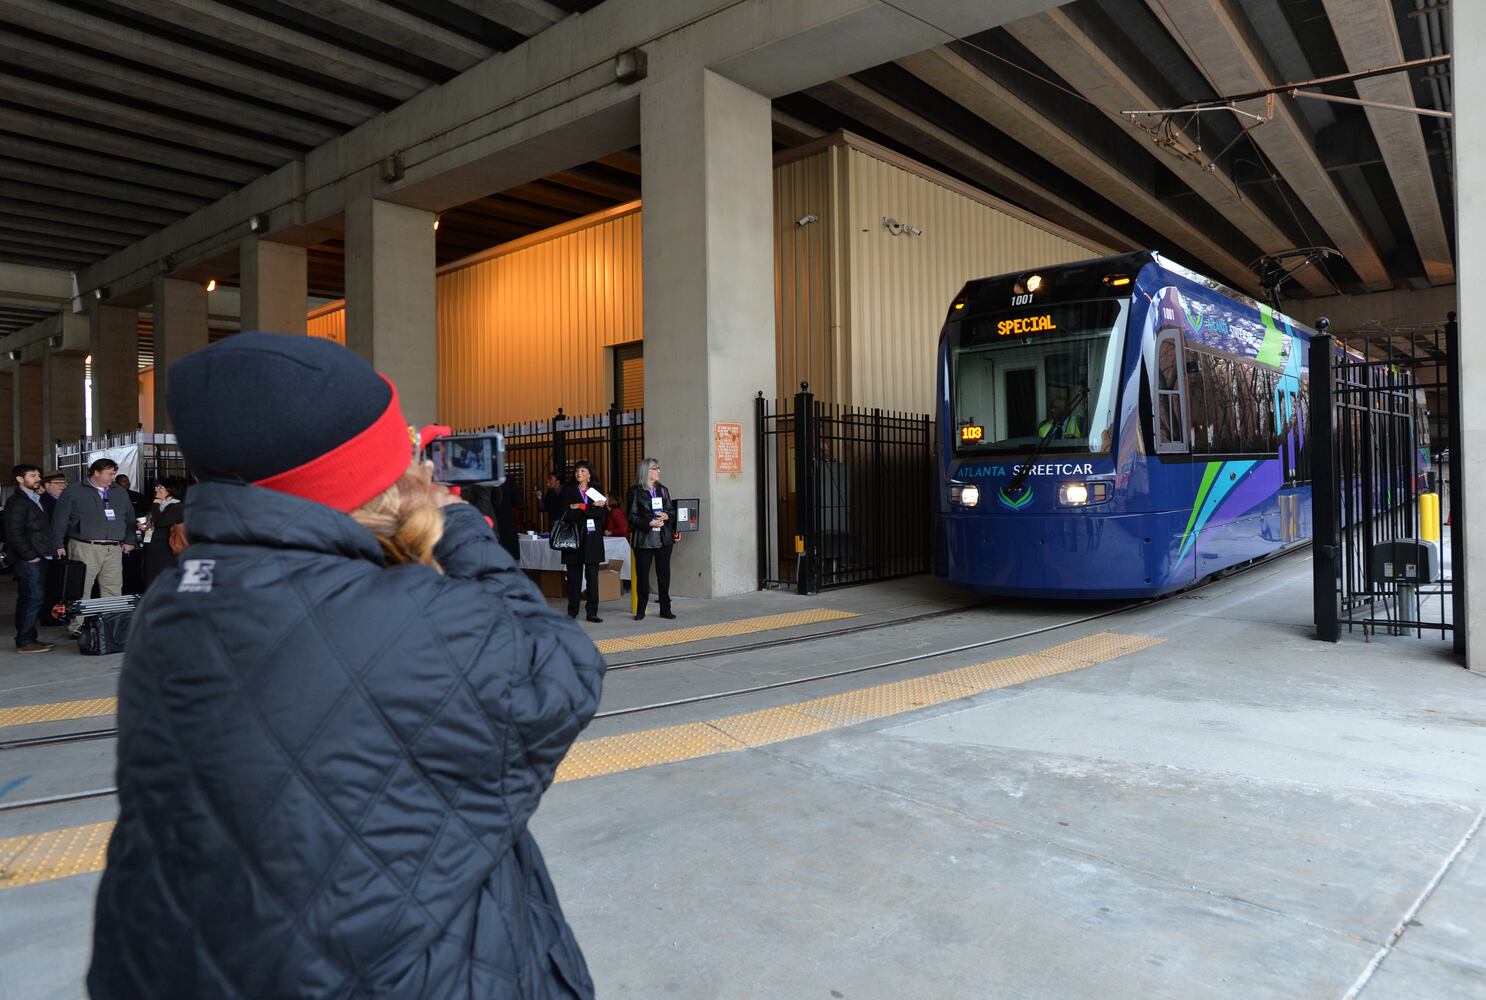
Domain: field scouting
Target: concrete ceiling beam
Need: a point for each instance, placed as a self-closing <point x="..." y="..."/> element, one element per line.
<point x="1368" y="34"/>
<point x="257" y="34"/>
<point x="791" y="131"/>
<point x="102" y="208"/>
<point x="62" y="61"/>
<point x="1059" y="39"/>
<point x="38" y="283"/>
<point x="527" y="17"/>
<point x="892" y="119"/>
<point x="48" y="99"/>
<point x="43" y="227"/>
<point x="50" y="18"/>
<point x="26" y="237"/>
<point x="68" y="180"/>
<point x="961" y="81"/>
<point x="132" y="229"/>
<point x="554" y="102"/>
<point x="106" y="141"/>
<point x="66" y="157"/>
<point x="405" y="31"/>
<point x="1218" y="39"/>
<point x="43" y="258"/>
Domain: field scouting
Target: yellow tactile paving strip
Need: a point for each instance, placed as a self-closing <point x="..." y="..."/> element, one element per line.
<point x="613" y="754"/>
<point x="743" y="626"/>
<point x="77" y="850"/>
<point x="41" y="857"/>
<point x="58" y="711"/>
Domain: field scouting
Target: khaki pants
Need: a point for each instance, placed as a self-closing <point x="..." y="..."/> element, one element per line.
<point x="104" y="563"/>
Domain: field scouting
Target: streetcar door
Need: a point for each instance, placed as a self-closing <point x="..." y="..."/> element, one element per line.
<point x="1170" y="396"/>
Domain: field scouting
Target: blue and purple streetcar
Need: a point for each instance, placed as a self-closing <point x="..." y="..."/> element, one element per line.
<point x="1120" y="427"/>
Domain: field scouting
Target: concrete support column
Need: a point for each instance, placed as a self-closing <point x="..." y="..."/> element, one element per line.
<point x="114" y="339"/>
<point x="180" y="328"/>
<point x="1470" y="207"/>
<point x="390" y="299"/>
<point x="63" y="399"/>
<point x="708" y="256"/>
<point x="7" y="416"/>
<point x="29" y="441"/>
<point x="275" y="286"/>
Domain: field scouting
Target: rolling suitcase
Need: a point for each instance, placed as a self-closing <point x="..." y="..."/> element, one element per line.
<point x="64" y="584"/>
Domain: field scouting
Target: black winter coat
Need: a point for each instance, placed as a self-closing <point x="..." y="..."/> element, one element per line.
<point x="28" y="530"/>
<point x="590" y="543"/>
<point x="326" y="768"/>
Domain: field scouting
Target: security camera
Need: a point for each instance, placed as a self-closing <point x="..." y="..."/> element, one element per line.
<point x="805" y="220"/>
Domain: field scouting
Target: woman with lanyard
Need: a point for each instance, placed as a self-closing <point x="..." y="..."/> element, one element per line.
<point x="652" y="518"/>
<point x="583" y="504"/>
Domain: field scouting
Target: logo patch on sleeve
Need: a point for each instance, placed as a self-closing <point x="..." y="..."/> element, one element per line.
<point x="196" y="576"/>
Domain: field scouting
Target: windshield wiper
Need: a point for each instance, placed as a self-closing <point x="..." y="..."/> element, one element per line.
<point x="1056" y="430"/>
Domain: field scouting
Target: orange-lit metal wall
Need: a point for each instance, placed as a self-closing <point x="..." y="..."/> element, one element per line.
<point x="328" y="322"/>
<point x="522" y="328"/>
<point x="807" y="285"/>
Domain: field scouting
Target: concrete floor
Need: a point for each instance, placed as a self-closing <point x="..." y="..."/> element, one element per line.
<point x="1238" y="812"/>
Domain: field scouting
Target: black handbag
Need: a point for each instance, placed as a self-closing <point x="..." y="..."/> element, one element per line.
<point x="564" y="536"/>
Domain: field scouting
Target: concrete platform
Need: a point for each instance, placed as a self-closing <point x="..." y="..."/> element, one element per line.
<point x="1237" y="811"/>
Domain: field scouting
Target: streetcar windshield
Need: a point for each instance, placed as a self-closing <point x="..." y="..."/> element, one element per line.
<point x="1051" y="372"/>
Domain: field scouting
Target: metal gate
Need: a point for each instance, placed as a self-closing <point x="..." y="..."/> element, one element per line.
<point x="1375" y="499"/>
<point x="845" y="494"/>
<point x="612" y="443"/>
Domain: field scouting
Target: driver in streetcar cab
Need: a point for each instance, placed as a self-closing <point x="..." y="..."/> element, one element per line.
<point x="1057" y="409"/>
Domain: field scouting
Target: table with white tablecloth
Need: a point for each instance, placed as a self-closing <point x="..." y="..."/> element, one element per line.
<point x="537" y="554"/>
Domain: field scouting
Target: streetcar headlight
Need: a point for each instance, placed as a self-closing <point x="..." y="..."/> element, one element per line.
<point x="964" y="494"/>
<point x="1083" y="494"/>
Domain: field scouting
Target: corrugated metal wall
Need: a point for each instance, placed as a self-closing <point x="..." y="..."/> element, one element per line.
<point x="900" y="287"/>
<point x="524" y="333"/>
<point x="328" y="322"/>
<point x="807" y="287"/>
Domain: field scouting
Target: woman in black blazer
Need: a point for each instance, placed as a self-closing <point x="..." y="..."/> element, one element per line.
<point x="585" y="559"/>
<point x="652" y="521"/>
<point x="167" y="510"/>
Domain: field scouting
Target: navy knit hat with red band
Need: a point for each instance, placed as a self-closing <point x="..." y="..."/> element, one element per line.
<point x="295" y="414"/>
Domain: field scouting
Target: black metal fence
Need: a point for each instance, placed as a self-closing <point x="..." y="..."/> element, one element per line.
<point x="612" y="443"/>
<point x="1371" y="465"/>
<point x="845" y="494"/>
<point x="159" y="457"/>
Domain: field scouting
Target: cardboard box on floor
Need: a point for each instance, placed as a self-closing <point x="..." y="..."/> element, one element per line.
<point x="553" y="582"/>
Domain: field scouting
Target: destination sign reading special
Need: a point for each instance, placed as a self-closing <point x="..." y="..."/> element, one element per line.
<point x="1026" y="324"/>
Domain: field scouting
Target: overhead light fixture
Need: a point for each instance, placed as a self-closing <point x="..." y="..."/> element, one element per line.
<point x="100" y="293"/>
<point x="55" y="340"/>
<point x="392" y="168"/>
<point x="15" y="355"/>
<point x="436" y="223"/>
<point x="257" y="223"/>
<point x="211" y="285"/>
<point x="631" y="66"/>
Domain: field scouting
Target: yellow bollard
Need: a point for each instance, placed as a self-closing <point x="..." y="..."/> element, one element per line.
<point x="1429" y="516"/>
<point x="634" y="590"/>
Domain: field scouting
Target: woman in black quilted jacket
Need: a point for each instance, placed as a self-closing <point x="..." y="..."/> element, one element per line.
<point x="336" y="716"/>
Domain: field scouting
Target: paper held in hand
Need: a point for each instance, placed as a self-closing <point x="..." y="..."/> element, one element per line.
<point x="595" y="495"/>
